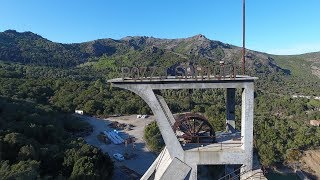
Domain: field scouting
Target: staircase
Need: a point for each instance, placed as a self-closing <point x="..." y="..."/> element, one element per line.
<point x="167" y="168"/>
<point x="255" y="175"/>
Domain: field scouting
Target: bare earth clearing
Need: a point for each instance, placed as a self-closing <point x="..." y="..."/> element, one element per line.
<point x="312" y="160"/>
<point x="142" y="157"/>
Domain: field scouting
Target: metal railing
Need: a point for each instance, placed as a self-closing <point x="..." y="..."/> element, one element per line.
<point x="230" y="177"/>
<point x="160" y="158"/>
<point x="220" y="145"/>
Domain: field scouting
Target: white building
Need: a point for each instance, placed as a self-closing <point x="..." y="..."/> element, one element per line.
<point x="79" y="112"/>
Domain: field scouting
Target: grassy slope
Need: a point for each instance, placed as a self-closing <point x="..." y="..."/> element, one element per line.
<point x="299" y="66"/>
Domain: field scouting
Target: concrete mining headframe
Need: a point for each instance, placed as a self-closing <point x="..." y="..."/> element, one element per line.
<point x="178" y="161"/>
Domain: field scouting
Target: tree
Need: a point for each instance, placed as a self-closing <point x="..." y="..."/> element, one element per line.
<point x="267" y="155"/>
<point x="22" y="170"/>
<point x="92" y="106"/>
<point x="293" y="156"/>
<point x="27" y="152"/>
<point x="84" y="169"/>
<point x="153" y="137"/>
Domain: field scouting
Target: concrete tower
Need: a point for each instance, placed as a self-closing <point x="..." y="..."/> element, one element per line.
<point x="180" y="161"/>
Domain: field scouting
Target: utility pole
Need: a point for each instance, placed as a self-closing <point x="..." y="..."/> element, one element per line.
<point x="243" y="36"/>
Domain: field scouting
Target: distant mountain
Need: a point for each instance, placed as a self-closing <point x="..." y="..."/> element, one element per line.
<point x="30" y="48"/>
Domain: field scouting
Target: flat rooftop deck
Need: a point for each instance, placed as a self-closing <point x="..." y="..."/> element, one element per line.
<point x="172" y="82"/>
<point x="224" y="141"/>
<point x="216" y="147"/>
<point x="177" y="80"/>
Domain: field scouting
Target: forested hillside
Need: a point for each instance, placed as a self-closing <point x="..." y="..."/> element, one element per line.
<point x="37" y="142"/>
<point x="282" y="73"/>
<point x="42" y="82"/>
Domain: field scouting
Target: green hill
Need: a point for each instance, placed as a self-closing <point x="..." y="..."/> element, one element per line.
<point x="30" y="48"/>
<point x="288" y="74"/>
<point x="305" y="66"/>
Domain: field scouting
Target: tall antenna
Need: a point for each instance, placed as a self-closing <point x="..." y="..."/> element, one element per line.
<point x="243" y="36"/>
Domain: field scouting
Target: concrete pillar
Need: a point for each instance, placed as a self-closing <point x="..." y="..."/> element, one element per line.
<point x="163" y="119"/>
<point x="194" y="173"/>
<point x="166" y="109"/>
<point x="231" y="110"/>
<point x="247" y="125"/>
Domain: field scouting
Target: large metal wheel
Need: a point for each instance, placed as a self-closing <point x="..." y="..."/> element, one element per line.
<point x="194" y="128"/>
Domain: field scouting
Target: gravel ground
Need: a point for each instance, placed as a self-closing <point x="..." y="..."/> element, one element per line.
<point x="142" y="159"/>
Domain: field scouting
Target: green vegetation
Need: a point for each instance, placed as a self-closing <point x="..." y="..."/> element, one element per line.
<point x="298" y="66"/>
<point x="42" y="82"/>
<point x="153" y="137"/>
<point x="36" y="142"/>
<point x="281" y="126"/>
<point x="303" y="79"/>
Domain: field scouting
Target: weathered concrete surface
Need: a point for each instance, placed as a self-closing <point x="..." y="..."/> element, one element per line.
<point x="166" y="110"/>
<point x="212" y="157"/>
<point x="165" y="167"/>
<point x="203" y="155"/>
<point x="163" y="164"/>
<point x="247" y="125"/>
<point x="184" y="84"/>
<point x="152" y="169"/>
<point x="231" y="110"/>
<point x="176" y="170"/>
<point x="253" y="175"/>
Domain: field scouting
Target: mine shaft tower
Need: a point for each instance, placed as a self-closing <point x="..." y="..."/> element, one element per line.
<point x="186" y="137"/>
<point x="179" y="160"/>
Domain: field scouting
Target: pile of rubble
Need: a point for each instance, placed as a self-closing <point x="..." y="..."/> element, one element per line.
<point x="121" y="126"/>
<point x="103" y="138"/>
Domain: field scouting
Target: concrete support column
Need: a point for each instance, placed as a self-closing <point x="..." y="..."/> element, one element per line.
<point x="166" y="109"/>
<point x="231" y="110"/>
<point x="163" y="119"/>
<point x="193" y="173"/>
<point x="247" y="125"/>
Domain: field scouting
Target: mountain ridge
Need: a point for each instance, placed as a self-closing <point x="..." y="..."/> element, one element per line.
<point x="197" y="36"/>
<point x="30" y="48"/>
<point x="195" y="45"/>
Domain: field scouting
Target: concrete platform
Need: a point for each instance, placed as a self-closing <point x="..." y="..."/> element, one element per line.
<point x="168" y="79"/>
<point x="224" y="142"/>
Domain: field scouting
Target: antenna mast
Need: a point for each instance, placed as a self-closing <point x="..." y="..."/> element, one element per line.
<point x="243" y="35"/>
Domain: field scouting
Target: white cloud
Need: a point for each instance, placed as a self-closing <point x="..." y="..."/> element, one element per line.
<point x="296" y="49"/>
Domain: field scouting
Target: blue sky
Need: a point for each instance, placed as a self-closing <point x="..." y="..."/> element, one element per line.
<point x="273" y="26"/>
